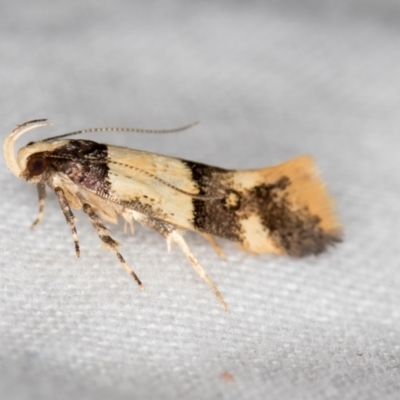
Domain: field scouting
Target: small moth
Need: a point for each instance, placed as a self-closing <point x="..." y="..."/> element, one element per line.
<point x="283" y="209"/>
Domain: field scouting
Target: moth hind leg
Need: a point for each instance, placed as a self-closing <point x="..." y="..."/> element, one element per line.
<point x="175" y="237"/>
<point x="108" y="241"/>
<point x="41" y="189"/>
<point x="211" y="239"/>
<point x="170" y="232"/>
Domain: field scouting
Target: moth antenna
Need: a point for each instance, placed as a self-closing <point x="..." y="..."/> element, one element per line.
<point x="9" y="143"/>
<point x="118" y="129"/>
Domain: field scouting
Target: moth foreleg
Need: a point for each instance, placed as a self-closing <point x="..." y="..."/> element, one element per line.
<point x="108" y="241"/>
<point x="68" y="216"/>
<point x="41" y="189"/>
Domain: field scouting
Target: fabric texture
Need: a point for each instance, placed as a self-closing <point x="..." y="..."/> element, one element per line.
<point x="268" y="80"/>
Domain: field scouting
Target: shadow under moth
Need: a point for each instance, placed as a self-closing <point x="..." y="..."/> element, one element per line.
<point x="282" y="210"/>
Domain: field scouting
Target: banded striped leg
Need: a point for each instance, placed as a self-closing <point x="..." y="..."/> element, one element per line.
<point x="41" y="189"/>
<point x="175" y="237"/>
<point x="108" y="241"/>
<point x="68" y="216"/>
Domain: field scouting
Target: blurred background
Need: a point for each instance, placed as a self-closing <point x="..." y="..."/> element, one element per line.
<point x="268" y="80"/>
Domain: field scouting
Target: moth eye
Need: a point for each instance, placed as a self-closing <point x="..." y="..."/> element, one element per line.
<point x="36" y="165"/>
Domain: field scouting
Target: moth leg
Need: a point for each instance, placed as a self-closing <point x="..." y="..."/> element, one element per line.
<point x="41" y="189"/>
<point x="108" y="241"/>
<point x="175" y="237"/>
<point x="131" y="226"/>
<point x="215" y="245"/>
<point x="68" y="216"/>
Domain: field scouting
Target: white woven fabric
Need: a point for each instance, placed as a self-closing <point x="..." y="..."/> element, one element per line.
<point x="268" y="81"/>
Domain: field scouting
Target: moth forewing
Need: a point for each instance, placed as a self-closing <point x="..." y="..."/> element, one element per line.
<point x="283" y="209"/>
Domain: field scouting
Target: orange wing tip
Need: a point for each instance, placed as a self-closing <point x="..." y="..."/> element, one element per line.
<point x="312" y="207"/>
<point x="290" y="211"/>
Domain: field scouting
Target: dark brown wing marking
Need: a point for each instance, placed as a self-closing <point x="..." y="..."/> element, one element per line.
<point x="216" y="217"/>
<point x="297" y="231"/>
<point x="85" y="163"/>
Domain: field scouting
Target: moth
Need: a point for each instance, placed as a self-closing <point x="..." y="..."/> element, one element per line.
<point x="282" y="210"/>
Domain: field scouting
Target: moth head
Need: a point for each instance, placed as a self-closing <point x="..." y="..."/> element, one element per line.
<point x="31" y="163"/>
